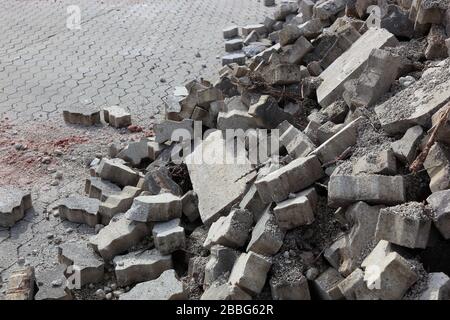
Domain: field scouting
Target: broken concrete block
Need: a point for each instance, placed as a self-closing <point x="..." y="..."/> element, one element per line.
<point x="118" y="236"/>
<point x="230" y="32"/>
<point x="165" y="287"/>
<point x="354" y="287"/>
<point x="21" y="284"/>
<point x="387" y="273"/>
<point x="220" y="262"/>
<point x="189" y="204"/>
<point x="416" y="104"/>
<point x="424" y="12"/>
<point x="80" y="209"/>
<point x="407" y="225"/>
<point x="13" y="205"/>
<point x="84" y="262"/>
<point x="335" y="112"/>
<point x="234" y="57"/>
<point x="329" y="8"/>
<point x="267" y="112"/>
<point x="251" y="38"/>
<point x="161" y="207"/>
<point x="344" y="190"/>
<point x="297" y="211"/>
<point x="338" y="143"/>
<point x="208" y="95"/>
<point x="82" y="115"/>
<point x="100" y="189"/>
<point x="52" y="284"/>
<point x="436" y="48"/>
<point x="284" y="9"/>
<point x="296" y="142"/>
<point x="441" y="211"/>
<point x="225" y="291"/>
<point x="406" y="148"/>
<point x="437" y="165"/>
<point x="351" y="63"/>
<point x="117" y="203"/>
<point x="233" y="45"/>
<point x="157" y="180"/>
<point x="363" y="221"/>
<point x="117" y="116"/>
<point x="380" y="73"/>
<point x="136" y="152"/>
<point x="327" y="130"/>
<point x="339" y="42"/>
<point x="136" y="267"/>
<point x="311" y="28"/>
<point x="168" y="236"/>
<point x="443" y="134"/>
<point x="298" y="50"/>
<point x="117" y="172"/>
<point x="236" y="119"/>
<point x="283" y="74"/>
<point x="297" y="289"/>
<point x="326" y="285"/>
<point x="230" y="231"/>
<point x="250" y="272"/>
<point x="267" y="237"/>
<point x="259" y="28"/>
<point x="289" y="34"/>
<point x="164" y="131"/>
<point x="438" y="287"/>
<point x="382" y="163"/>
<point x="397" y="22"/>
<point x="218" y="181"/>
<point x="295" y="176"/>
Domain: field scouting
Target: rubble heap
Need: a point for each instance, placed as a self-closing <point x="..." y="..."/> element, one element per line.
<point x="351" y="203"/>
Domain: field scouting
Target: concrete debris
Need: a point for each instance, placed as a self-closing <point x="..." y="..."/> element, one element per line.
<point x="220" y="262"/>
<point x="136" y="267"/>
<point x="82" y="115"/>
<point x="80" y="209"/>
<point x="48" y="281"/>
<point x="21" y="284"/>
<point x="296" y="142"/>
<point x="117" y="203"/>
<point x="438" y="287"/>
<point x="189" y="203"/>
<point x="168" y="130"/>
<point x="117" y="117"/>
<point x="165" y="287"/>
<point x="290" y="290"/>
<point x="161" y="207"/>
<point x="225" y="291"/>
<point x="84" y="263"/>
<point x="383" y="163"/>
<point x="100" y="189"/>
<point x="13" y="205"/>
<point x="438" y="201"/>
<point x="117" y="172"/>
<point x="437" y="165"/>
<point x="250" y="272"/>
<point x="326" y="285"/>
<point x="168" y="236"/>
<point x="406" y="148"/>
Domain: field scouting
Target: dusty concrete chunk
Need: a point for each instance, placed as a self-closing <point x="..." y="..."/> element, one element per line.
<point x="13" y="204"/>
<point x="417" y="103"/>
<point x="215" y="181"/>
<point x="250" y="272"/>
<point x="21" y="284"/>
<point x="407" y="225"/>
<point x="267" y="112"/>
<point x="46" y="279"/>
<point x="406" y="148"/>
<point x="327" y="9"/>
<point x="220" y="262"/>
<point x="100" y="189"/>
<point x="297" y="289"/>
<point x="298" y="50"/>
<point x="117" y="172"/>
<point x="166" y="287"/>
<point x="189" y="203"/>
<point x="267" y="237"/>
<point x="117" y="116"/>
<point x="437" y="165"/>
<point x="387" y="273"/>
<point x="439" y="202"/>
<point x="136" y="152"/>
<point x="443" y="134"/>
<point x="311" y="28"/>
<point x="436" y="48"/>
<point x="259" y="28"/>
<point x="233" y="45"/>
<point x="83" y="115"/>
<point x="423" y="11"/>
<point x="283" y="74"/>
<point x="230" y="231"/>
<point x="289" y="34"/>
<point x="297" y="211"/>
<point x="354" y="287"/>
<point x="161" y="207"/>
<point x="117" y="203"/>
<point x="351" y="63"/>
<point x="374" y="189"/>
<point x="157" y="180"/>
<point x="326" y="285"/>
<point x="86" y="264"/>
<point x="338" y="143"/>
<point x="164" y="130"/>
<point x="168" y="236"/>
<point x="295" y="176"/>
<point x="136" y="267"/>
<point x="438" y="287"/>
<point x="382" y="163"/>
<point x="296" y="142"/>
<point x="236" y="119"/>
<point x="225" y="291"/>
<point x="118" y="236"/>
<point x="234" y="57"/>
<point x="80" y="209"/>
<point x="230" y="32"/>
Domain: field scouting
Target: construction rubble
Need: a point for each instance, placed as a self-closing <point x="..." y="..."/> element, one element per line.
<point x="351" y="201"/>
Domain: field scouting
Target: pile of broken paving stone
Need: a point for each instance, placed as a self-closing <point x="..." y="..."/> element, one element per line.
<point x="353" y="205"/>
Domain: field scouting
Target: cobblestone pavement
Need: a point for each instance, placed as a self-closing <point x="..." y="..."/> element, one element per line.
<point x="119" y="56"/>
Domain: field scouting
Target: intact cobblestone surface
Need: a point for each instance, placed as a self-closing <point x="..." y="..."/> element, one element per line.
<point x="119" y="57"/>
